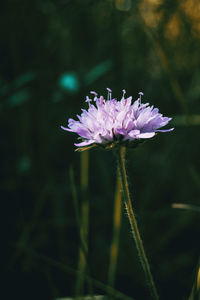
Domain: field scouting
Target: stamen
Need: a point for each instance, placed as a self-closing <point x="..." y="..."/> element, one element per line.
<point x="124" y="92"/>
<point x="88" y="99"/>
<point x="141" y="94"/>
<point x="109" y="93"/>
<point x="95" y="95"/>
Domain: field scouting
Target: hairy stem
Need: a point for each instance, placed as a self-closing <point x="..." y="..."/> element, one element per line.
<point x="133" y="223"/>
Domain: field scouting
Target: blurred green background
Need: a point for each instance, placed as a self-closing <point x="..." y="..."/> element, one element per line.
<point x="52" y="54"/>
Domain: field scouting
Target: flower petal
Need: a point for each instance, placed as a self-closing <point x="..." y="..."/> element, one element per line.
<point x="83" y="132"/>
<point x="65" y="128"/>
<point x="165" y="130"/>
<point x="146" y="135"/>
<point x="134" y="133"/>
<point x="85" y="143"/>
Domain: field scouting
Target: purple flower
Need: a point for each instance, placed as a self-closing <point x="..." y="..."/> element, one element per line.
<point x="109" y="122"/>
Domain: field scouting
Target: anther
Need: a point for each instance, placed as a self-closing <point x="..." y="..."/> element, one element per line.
<point x="95" y="95"/>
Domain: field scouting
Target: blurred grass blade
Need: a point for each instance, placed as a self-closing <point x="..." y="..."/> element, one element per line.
<point x="95" y="297"/>
<point x="65" y="268"/>
<point x="84" y="223"/>
<point x="24" y="238"/>
<point x="24" y="78"/>
<point x="98" y="71"/>
<point x="186" y="206"/>
<point x="116" y="233"/>
<point x="165" y="63"/>
<point x="19" y="98"/>
<point x="183" y="120"/>
<point x="195" y="293"/>
<point x="74" y="195"/>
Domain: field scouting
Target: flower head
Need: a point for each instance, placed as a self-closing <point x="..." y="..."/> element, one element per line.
<point x="110" y="122"/>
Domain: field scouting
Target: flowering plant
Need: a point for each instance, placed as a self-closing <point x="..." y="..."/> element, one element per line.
<point x="110" y="121"/>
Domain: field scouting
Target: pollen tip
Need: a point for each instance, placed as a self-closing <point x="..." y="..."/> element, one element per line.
<point x="123" y="93"/>
<point x="94" y="93"/>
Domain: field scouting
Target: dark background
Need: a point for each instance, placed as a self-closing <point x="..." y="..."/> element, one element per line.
<point x="52" y="54"/>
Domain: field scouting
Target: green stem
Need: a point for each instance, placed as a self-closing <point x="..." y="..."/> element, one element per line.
<point x="133" y="223"/>
<point x="114" y="249"/>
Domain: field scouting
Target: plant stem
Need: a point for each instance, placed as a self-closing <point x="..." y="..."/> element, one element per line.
<point x="84" y="225"/>
<point x="114" y="249"/>
<point x="133" y="223"/>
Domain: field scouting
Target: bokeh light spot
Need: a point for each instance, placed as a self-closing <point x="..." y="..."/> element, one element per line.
<point x="69" y="82"/>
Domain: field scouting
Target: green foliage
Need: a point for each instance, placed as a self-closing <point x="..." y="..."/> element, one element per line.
<point x="98" y="71"/>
